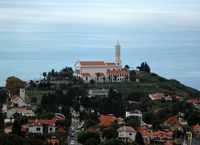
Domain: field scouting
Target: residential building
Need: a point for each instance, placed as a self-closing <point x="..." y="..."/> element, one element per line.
<point x="156" y="96"/>
<point x="22" y="93"/>
<point x="135" y="113"/>
<point x="179" y="98"/>
<point x="98" y="92"/>
<point x="16" y="100"/>
<point x="42" y="126"/>
<point x="162" y="135"/>
<point x="126" y="133"/>
<point x="107" y="120"/>
<point x="196" y="131"/>
<point x="173" y="122"/>
<point x="21" y="110"/>
<point x="193" y="101"/>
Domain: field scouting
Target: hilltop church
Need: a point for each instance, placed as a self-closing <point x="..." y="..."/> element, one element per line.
<point x="101" y="71"/>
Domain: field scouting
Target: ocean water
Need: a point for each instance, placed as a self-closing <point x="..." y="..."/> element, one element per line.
<point x="32" y="42"/>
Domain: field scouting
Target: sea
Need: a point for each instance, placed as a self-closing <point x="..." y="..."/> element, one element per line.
<point x="29" y="47"/>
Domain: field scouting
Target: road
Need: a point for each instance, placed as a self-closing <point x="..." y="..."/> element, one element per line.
<point x="73" y="133"/>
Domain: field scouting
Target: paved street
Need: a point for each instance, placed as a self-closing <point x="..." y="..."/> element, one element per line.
<point x="73" y="133"/>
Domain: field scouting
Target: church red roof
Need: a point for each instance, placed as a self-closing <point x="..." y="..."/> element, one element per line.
<point x="117" y="72"/>
<point x="85" y="74"/>
<point x="92" y="63"/>
<point x="110" y="63"/>
<point x="100" y="74"/>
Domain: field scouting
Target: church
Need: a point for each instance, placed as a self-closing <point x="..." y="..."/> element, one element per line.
<point x="101" y="71"/>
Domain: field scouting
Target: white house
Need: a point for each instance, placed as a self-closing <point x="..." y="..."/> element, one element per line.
<point x="22" y="93"/>
<point x="101" y="71"/>
<point x="135" y="113"/>
<point x="98" y="92"/>
<point x="42" y="126"/>
<point x="18" y="100"/>
<point x="126" y="133"/>
<point x="21" y="110"/>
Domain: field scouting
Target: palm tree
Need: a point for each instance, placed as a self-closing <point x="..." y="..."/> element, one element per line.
<point x="44" y="75"/>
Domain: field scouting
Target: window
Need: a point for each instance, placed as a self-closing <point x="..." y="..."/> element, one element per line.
<point x="37" y="129"/>
<point x="86" y="78"/>
<point x="50" y="129"/>
<point x="130" y="133"/>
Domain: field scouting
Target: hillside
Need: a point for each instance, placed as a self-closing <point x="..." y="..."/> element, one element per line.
<point x="151" y="83"/>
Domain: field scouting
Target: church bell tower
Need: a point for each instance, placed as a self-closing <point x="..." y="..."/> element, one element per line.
<point x="117" y="53"/>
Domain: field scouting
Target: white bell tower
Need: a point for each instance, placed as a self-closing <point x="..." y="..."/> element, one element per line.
<point x="117" y="53"/>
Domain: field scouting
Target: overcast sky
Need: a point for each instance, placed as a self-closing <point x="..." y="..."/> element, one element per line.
<point x="14" y="13"/>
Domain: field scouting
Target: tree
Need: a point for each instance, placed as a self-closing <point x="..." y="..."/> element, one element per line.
<point x="13" y="84"/>
<point x="115" y="78"/>
<point x="1" y="121"/>
<point x="109" y="133"/>
<point x="44" y="75"/>
<point x="112" y="142"/>
<point x="92" y="82"/>
<point x="84" y="136"/>
<point x="3" y="95"/>
<point x="16" y="128"/>
<point x="66" y="73"/>
<point x="91" y="141"/>
<point x="98" y="76"/>
<point x="133" y="122"/>
<point x="126" y="67"/>
<point x="132" y="75"/>
<point x="139" y="139"/>
<point x="144" y="67"/>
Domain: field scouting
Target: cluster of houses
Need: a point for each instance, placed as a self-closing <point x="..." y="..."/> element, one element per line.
<point x="164" y="136"/>
<point x="128" y="133"/>
<point x="18" y="105"/>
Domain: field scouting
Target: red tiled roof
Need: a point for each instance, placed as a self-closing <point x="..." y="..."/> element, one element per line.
<point x="110" y="63"/>
<point x="19" y="109"/>
<point x="127" y="128"/>
<point x="13" y="98"/>
<point x="41" y="122"/>
<point x="92" y="63"/>
<point x="143" y="128"/>
<point x="107" y="120"/>
<point x="196" y="127"/>
<point x="161" y="133"/>
<point x="169" y="142"/>
<point x="85" y="74"/>
<point x="53" y="141"/>
<point x="146" y="133"/>
<point x="92" y="129"/>
<point x="117" y="72"/>
<point x="60" y="130"/>
<point x="156" y="96"/>
<point x="100" y="74"/>
<point x="193" y="101"/>
<point x="178" y="97"/>
<point x="171" y="120"/>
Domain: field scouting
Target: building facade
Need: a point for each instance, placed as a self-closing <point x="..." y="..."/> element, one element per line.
<point x="126" y="133"/>
<point x="42" y="126"/>
<point x="101" y="71"/>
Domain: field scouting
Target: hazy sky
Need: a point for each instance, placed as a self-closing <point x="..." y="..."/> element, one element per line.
<point x="29" y="26"/>
<point x="35" y="14"/>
